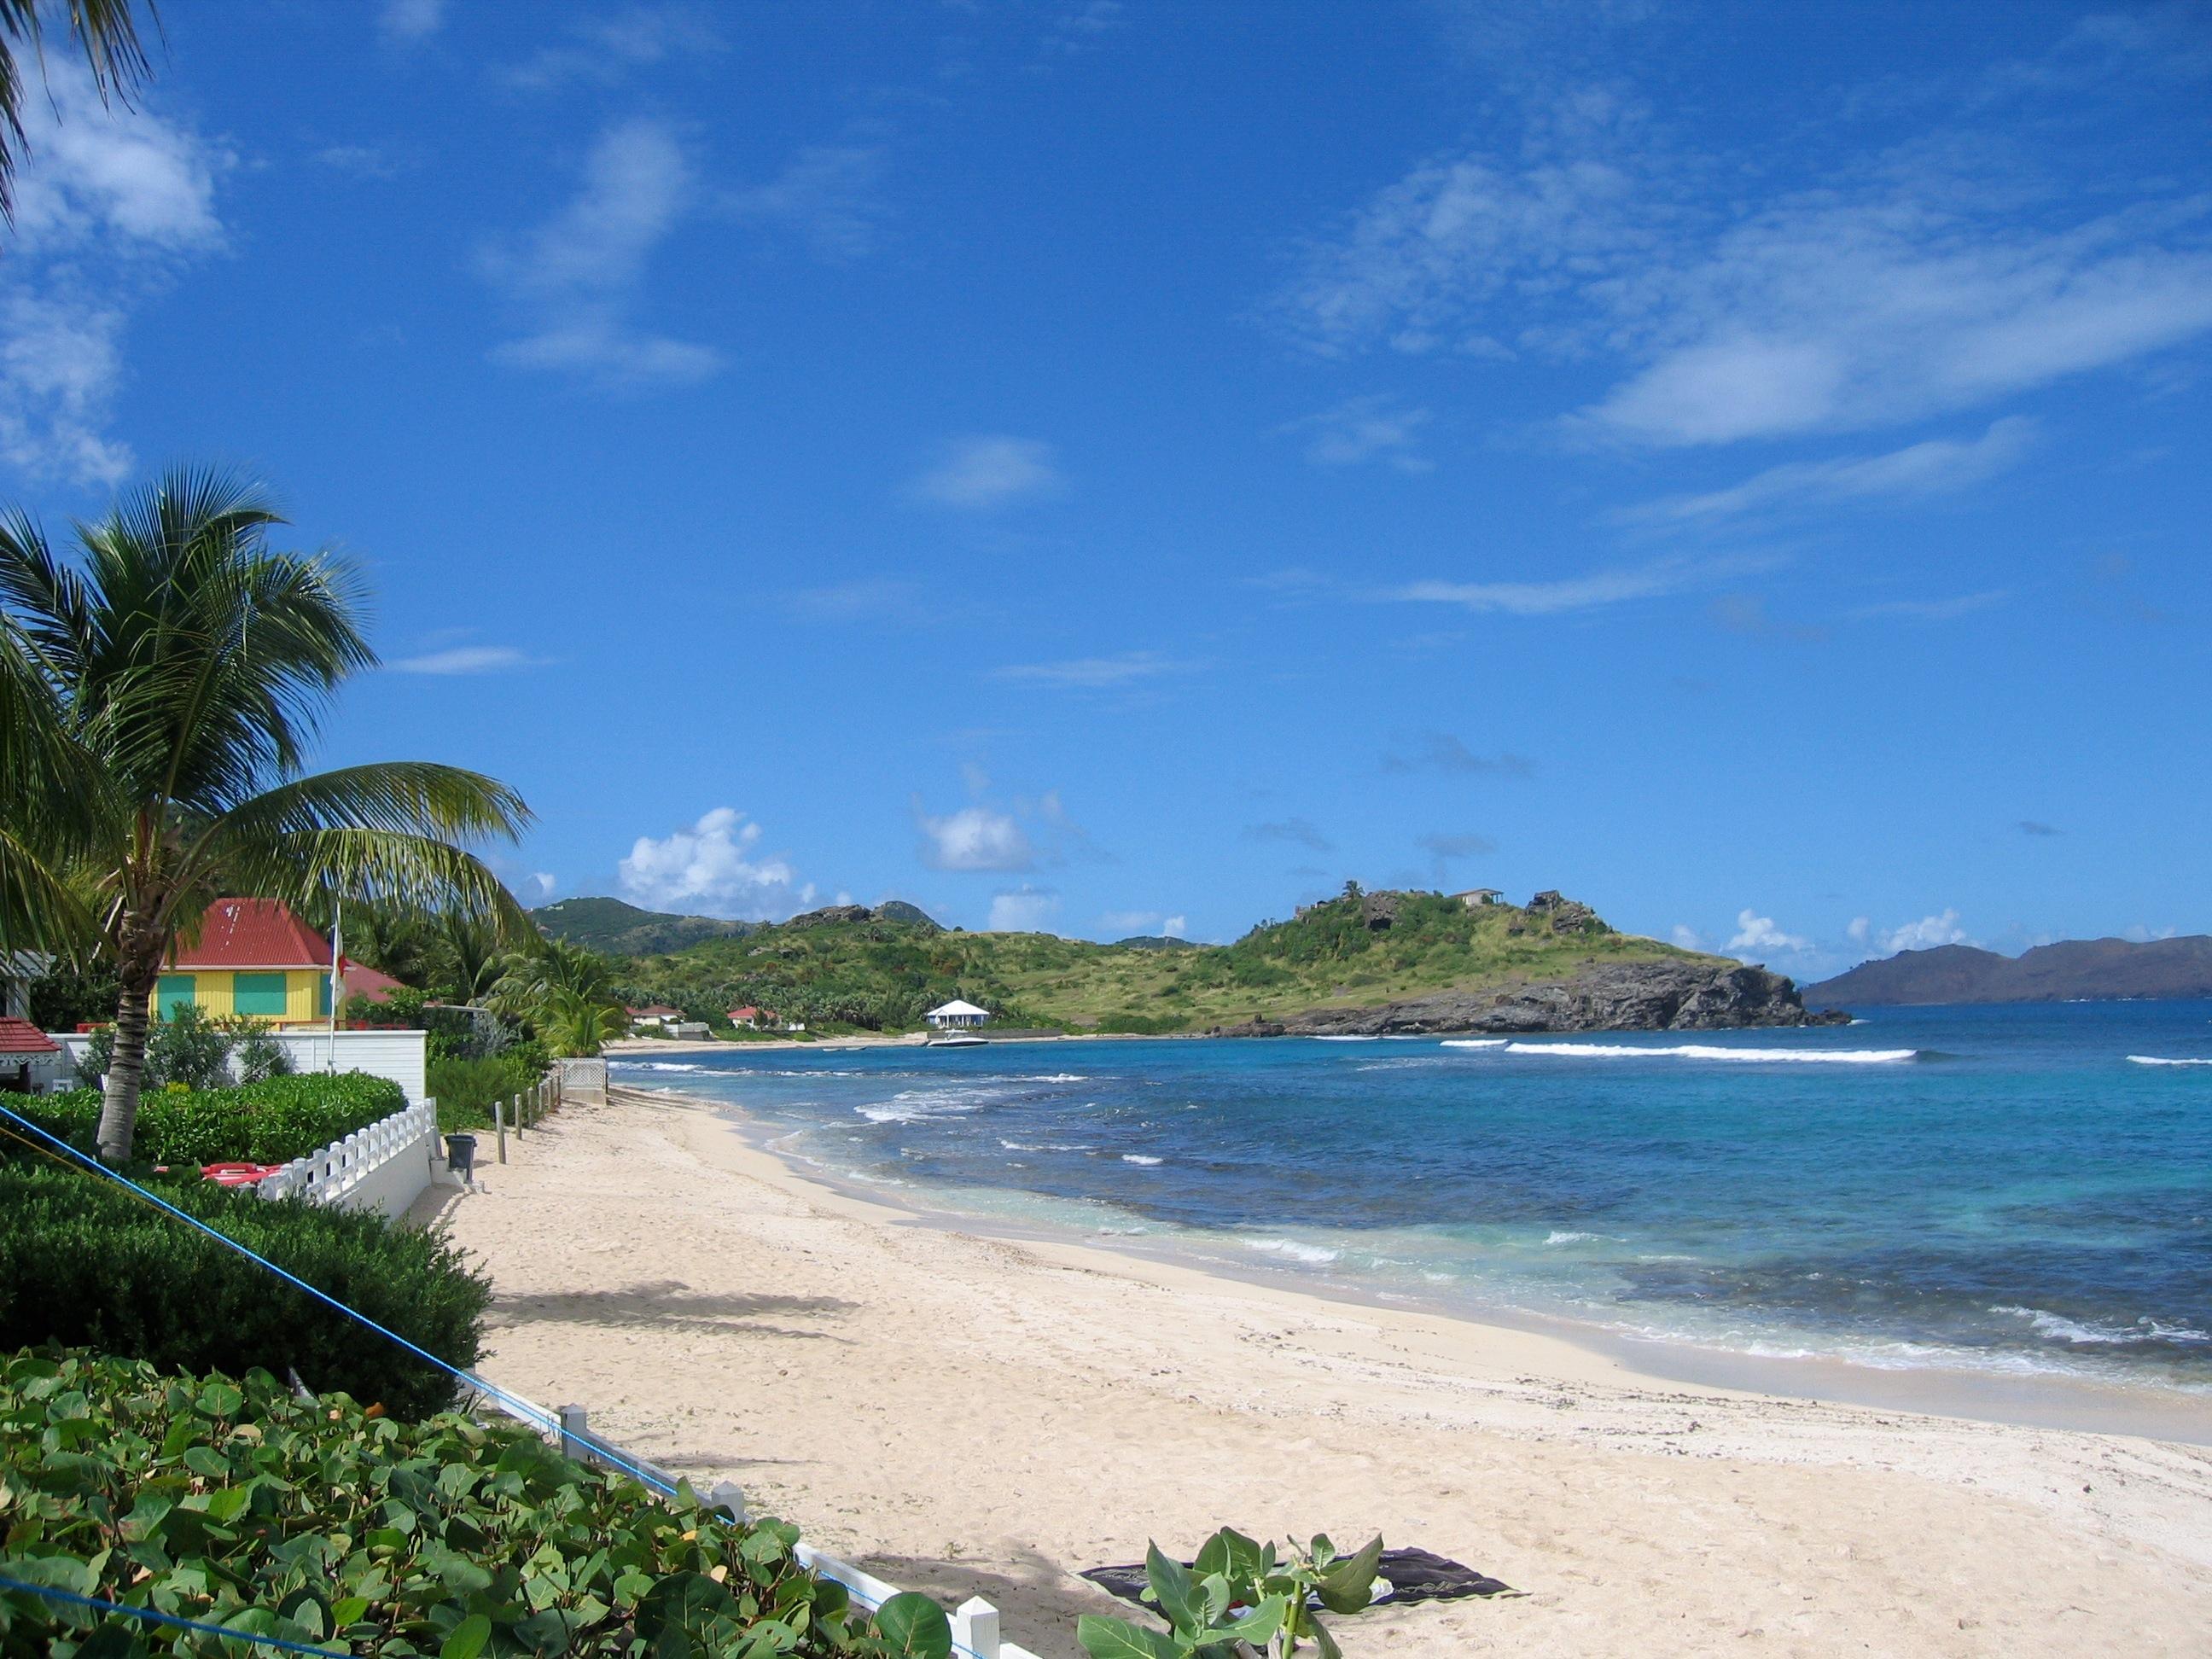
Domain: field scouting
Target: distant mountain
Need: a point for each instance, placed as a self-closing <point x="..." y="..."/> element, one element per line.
<point x="623" y="930"/>
<point x="2072" y="970"/>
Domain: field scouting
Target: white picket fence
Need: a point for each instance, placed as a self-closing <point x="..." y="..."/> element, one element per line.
<point x="384" y="1167"/>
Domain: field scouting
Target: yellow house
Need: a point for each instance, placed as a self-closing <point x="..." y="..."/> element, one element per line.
<point x="253" y="956"/>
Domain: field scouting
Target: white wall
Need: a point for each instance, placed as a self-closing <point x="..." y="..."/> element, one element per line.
<point x="403" y="1056"/>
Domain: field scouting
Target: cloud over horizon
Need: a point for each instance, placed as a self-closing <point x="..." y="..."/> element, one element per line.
<point x="713" y="866"/>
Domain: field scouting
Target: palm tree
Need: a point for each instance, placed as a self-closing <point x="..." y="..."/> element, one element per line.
<point x="155" y="708"/>
<point x="573" y="1024"/>
<point x="107" y="34"/>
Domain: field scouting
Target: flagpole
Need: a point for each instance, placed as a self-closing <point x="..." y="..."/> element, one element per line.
<point x="337" y="925"/>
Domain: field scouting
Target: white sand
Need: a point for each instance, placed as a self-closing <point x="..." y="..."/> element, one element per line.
<point x="971" y="1416"/>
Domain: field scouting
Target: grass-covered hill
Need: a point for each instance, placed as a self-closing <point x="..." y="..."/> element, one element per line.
<point x="879" y="969"/>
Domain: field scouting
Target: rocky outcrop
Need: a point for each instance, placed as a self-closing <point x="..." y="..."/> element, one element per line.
<point x="1671" y="995"/>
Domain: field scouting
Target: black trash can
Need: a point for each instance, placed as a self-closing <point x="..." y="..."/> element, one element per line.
<point x="461" y="1157"/>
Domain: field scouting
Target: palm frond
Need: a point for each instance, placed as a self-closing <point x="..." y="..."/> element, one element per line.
<point x="401" y="871"/>
<point x="106" y="35"/>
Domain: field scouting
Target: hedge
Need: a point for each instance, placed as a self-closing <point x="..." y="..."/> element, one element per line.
<point x="235" y="1503"/>
<point x="84" y="1261"/>
<point x="272" y="1122"/>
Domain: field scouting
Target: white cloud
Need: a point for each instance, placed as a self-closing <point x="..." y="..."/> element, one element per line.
<point x="1756" y="933"/>
<point x="1929" y="468"/>
<point x="403" y="22"/>
<point x="974" y="838"/>
<point x="1897" y="286"/>
<point x="111" y="205"/>
<point x="827" y="196"/>
<point x="1363" y="429"/>
<point x="1922" y="935"/>
<point x="466" y="659"/>
<point x="1944" y="610"/>
<point x="1690" y="939"/>
<point x="867" y="599"/>
<point x="986" y="471"/>
<point x="575" y="279"/>
<point x="610" y="44"/>
<point x="1599" y="588"/>
<point x="2141" y="934"/>
<point x="1145" y="924"/>
<point x="543" y="882"/>
<point x="1091" y="673"/>
<point x="1024" y="911"/>
<point x="713" y="866"/>
<point x="1925" y="933"/>
<point x="1440" y="751"/>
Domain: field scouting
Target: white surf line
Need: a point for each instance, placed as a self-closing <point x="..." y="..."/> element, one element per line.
<point x="1713" y="1051"/>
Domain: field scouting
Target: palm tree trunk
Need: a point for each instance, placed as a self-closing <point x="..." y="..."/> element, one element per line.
<point x="118" y="1107"/>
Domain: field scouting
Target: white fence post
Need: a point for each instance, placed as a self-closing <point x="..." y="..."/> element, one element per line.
<point x="975" y="1627"/>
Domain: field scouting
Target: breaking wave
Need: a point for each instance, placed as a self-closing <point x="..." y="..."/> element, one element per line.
<point x="1714" y="1051"/>
<point x="2157" y="1060"/>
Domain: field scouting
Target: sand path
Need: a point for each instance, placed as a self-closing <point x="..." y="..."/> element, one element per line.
<point x="972" y="1416"/>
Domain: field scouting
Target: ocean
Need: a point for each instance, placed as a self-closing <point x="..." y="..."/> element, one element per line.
<point x="2024" y="1191"/>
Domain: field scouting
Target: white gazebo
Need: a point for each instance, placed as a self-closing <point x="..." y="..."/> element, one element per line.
<point x="957" y="1016"/>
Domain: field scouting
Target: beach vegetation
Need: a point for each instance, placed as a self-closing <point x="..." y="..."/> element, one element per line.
<point x="467" y="1090"/>
<point x="1239" y="1597"/>
<point x="227" y="1499"/>
<point x="158" y="693"/>
<point x="87" y="1262"/>
<point x="270" y="1120"/>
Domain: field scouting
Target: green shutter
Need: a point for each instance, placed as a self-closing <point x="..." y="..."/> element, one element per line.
<point x="323" y="995"/>
<point x="175" y="991"/>
<point x="258" y="993"/>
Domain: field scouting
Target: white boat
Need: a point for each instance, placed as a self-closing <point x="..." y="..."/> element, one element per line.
<point x="962" y="1041"/>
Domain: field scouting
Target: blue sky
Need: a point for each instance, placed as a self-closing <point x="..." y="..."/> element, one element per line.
<point x="1117" y="467"/>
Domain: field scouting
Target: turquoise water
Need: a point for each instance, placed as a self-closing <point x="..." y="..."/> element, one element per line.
<point x="1997" y="1189"/>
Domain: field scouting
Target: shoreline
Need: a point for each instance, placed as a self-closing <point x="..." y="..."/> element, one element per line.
<point x="966" y="1414"/>
<point x="2031" y="1399"/>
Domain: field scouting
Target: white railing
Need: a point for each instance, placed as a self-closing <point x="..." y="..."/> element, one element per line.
<point x="384" y="1167"/>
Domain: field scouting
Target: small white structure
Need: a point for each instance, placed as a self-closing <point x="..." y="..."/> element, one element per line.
<point x="957" y="1016"/>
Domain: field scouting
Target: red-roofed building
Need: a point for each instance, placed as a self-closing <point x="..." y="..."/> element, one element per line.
<point x="750" y="1019"/>
<point x="21" y="1042"/>
<point x="253" y="956"/>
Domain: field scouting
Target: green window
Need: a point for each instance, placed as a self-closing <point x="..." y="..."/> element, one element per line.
<point x="175" y="991"/>
<point x="323" y="995"/>
<point x="258" y="993"/>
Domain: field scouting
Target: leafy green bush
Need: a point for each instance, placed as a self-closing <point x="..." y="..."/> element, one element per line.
<point x="271" y="1121"/>
<point x="1272" y="1592"/>
<point x="85" y="1261"/>
<point x="466" y="1089"/>
<point x="235" y="1503"/>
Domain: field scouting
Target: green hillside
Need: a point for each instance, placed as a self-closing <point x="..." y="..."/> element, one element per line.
<point x="616" y="929"/>
<point x="879" y="970"/>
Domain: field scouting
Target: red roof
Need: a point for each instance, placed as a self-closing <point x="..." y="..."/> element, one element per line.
<point x="251" y="932"/>
<point x="20" y="1037"/>
<point x="745" y="1014"/>
<point x="364" y="981"/>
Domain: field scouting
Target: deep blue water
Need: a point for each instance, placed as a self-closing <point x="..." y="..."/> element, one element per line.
<point x="2015" y="1195"/>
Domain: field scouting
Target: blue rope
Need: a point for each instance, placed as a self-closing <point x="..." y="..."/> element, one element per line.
<point x="521" y="1407"/>
<point x="156" y="1616"/>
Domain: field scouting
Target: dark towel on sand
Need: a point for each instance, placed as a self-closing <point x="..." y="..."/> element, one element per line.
<point x="1415" y="1576"/>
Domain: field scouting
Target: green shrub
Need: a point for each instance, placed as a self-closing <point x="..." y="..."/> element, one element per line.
<point x="466" y="1089"/>
<point x="271" y="1121"/>
<point x="235" y="1503"/>
<point x="84" y="1261"/>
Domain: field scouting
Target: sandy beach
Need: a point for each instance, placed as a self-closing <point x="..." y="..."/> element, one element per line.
<point x="971" y="1415"/>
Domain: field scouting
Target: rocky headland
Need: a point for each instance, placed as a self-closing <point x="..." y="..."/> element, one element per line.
<point x="1685" y="994"/>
